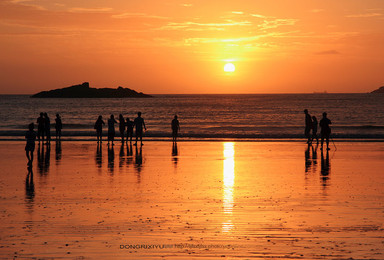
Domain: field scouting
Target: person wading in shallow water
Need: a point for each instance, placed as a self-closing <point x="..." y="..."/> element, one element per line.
<point x="308" y="126"/>
<point x="325" y="130"/>
<point x="314" y="130"/>
<point x="175" y="128"/>
<point x="47" y="126"/>
<point x="30" y="135"/>
<point x="58" y="126"/>
<point x="99" y="128"/>
<point x="40" y="127"/>
<point x="122" y="127"/>
<point x="129" y="125"/>
<point x="111" y="128"/>
<point x="139" y="124"/>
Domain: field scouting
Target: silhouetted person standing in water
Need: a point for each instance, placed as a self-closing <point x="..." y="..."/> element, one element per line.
<point x="122" y="127"/>
<point x="314" y="129"/>
<point x="58" y="126"/>
<point x="308" y="126"/>
<point x="99" y="128"/>
<point x="47" y="128"/>
<point x="40" y="127"/>
<point x="111" y="129"/>
<point x="175" y="128"/>
<point x="325" y="130"/>
<point x="30" y="135"/>
<point x="139" y="124"/>
<point x="129" y="125"/>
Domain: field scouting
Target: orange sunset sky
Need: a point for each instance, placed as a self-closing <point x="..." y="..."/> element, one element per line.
<point x="277" y="46"/>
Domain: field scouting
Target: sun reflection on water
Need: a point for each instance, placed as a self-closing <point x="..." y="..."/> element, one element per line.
<point x="228" y="183"/>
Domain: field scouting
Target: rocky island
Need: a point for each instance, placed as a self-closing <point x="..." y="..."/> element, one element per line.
<point x="379" y="90"/>
<point x="84" y="91"/>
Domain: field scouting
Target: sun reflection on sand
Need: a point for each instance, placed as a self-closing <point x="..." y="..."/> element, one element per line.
<point x="228" y="182"/>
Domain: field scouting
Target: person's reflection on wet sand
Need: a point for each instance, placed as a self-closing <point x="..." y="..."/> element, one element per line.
<point x="314" y="157"/>
<point x="138" y="162"/>
<point x="121" y="155"/>
<point x="308" y="162"/>
<point x="175" y="153"/>
<point x="325" y="169"/>
<point x="58" y="151"/>
<point x="47" y="158"/>
<point x="29" y="194"/>
<point x="43" y="159"/>
<point x="99" y="155"/>
<point x="29" y="186"/>
<point x="129" y="159"/>
<point x="40" y="158"/>
<point x="111" y="159"/>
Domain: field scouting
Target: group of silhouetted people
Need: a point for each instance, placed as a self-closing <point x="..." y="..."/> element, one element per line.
<point x="44" y="127"/>
<point x="311" y="124"/>
<point x="126" y="127"/>
<point x="43" y="130"/>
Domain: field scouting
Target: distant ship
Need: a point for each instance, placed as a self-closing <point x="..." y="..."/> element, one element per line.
<point x="318" y="92"/>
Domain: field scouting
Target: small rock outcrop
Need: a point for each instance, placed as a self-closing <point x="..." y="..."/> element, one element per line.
<point x="84" y="91"/>
<point x="379" y="90"/>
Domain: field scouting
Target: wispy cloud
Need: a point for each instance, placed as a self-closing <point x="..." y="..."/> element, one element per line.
<point x="196" y="26"/>
<point x="28" y="3"/>
<point x="328" y="52"/>
<point x="275" y="23"/>
<point x="137" y="15"/>
<point x="317" y="10"/>
<point x="365" y="15"/>
<point x="90" y="10"/>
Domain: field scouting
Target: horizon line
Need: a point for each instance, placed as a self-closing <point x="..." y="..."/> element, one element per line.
<point x="277" y="93"/>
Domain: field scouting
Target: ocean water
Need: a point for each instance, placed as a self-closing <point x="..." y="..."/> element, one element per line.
<point x="355" y="116"/>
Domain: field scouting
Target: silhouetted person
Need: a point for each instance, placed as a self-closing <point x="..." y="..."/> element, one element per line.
<point x="58" y="126"/>
<point x="308" y="126"/>
<point x="111" y="129"/>
<point x="325" y="130"/>
<point x="122" y="127"/>
<point x="175" y="128"/>
<point x="30" y="135"/>
<point x="99" y="128"/>
<point x="130" y="124"/>
<point x="314" y="129"/>
<point x="47" y="127"/>
<point x="139" y="124"/>
<point x="40" y="127"/>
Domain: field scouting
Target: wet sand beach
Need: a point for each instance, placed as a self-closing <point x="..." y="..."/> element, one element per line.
<point x="275" y="200"/>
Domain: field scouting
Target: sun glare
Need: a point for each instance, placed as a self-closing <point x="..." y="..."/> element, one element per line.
<point x="229" y="67"/>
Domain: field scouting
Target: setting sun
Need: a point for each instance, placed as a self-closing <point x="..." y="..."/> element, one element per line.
<point x="229" y="67"/>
